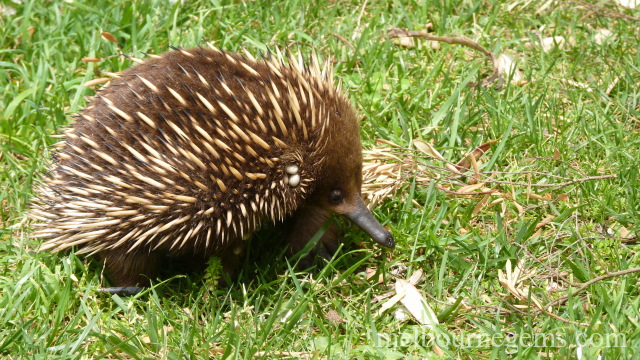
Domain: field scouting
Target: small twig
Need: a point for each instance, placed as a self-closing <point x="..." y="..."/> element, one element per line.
<point x="520" y="311"/>
<point x="557" y="317"/>
<point x="585" y="285"/>
<point x="458" y="40"/>
<point x="344" y="40"/>
<point x="474" y="193"/>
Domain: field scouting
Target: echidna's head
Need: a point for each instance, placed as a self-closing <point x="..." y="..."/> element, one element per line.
<point x="339" y="181"/>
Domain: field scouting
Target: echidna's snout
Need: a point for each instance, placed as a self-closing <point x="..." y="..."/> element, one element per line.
<point x="362" y="217"/>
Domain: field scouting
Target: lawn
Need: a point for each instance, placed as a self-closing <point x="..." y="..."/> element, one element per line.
<point x="502" y="154"/>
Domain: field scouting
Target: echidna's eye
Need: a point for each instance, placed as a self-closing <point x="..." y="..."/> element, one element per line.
<point x="335" y="197"/>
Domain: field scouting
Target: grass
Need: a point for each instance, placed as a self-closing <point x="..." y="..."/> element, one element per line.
<point x="565" y="123"/>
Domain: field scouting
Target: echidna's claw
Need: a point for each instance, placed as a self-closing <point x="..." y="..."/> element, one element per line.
<point x="122" y="290"/>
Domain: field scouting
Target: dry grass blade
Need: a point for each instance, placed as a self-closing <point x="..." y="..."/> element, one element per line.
<point x="428" y="149"/>
<point x="384" y="173"/>
<point x="514" y="282"/>
<point x="480" y="205"/>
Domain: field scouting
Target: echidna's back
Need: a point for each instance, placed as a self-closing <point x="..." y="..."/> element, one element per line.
<point x="191" y="151"/>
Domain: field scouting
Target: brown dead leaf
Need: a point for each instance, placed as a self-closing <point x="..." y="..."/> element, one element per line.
<point x="416" y="305"/>
<point x="216" y="350"/>
<point x="563" y="197"/>
<point x="90" y="59"/>
<point x="370" y="272"/>
<point x="188" y="312"/>
<point x="108" y="36"/>
<point x="545" y="221"/>
<point x="465" y="163"/>
<point x="518" y="207"/>
<point x="476" y="170"/>
<point x="475" y="165"/>
<point x="533" y="196"/>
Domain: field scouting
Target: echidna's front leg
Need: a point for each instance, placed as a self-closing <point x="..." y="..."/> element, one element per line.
<point x="304" y="224"/>
<point x="230" y="260"/>
<point x="130" y="272"/>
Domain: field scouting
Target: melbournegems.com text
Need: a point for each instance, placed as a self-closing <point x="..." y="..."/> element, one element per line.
<point x="418" y="336"/>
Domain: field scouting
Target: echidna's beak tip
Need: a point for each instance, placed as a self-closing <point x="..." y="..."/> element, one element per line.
<point x="362" y="217"/>
<point x="387" y="241"/>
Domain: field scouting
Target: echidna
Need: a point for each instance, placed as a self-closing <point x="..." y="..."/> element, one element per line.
<point x="186" y="154"/>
